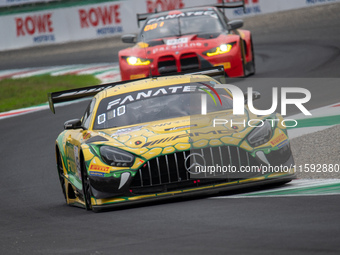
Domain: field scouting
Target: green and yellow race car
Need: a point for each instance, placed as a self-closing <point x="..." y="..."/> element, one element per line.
<point x="164" y="137"/>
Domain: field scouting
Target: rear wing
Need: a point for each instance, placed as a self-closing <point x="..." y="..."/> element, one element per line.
<point x="234" y="4"/>
<point x="142" y="16"/>
<point x="74" y="94"/>
<point x="223" y="5"/>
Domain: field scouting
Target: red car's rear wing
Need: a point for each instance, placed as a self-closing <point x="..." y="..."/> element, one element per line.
<point x="223" y="5"/>
<point x="233" y="4"/>
<point x="73" y="94"/>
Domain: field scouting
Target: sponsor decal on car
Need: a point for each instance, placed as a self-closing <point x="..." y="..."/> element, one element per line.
<point x="210" y="135"/>
<point x="177" y="41"/>
<point x="98" y="168"/>
<point x="139" y="95"/>
<point x="181" y="127"/>
<point x="127" y="130"/>
<point x="282" y="144"/>
<point x="179" y="14"/>
<point x="76" y="159"/>
<point x="176" y="46"/>
<point x="169" y="123"/>
<point x="278" y="140"/>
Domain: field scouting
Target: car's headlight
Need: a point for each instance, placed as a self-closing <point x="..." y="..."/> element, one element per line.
<point x="223" y="48"/>
<point x="116" y="157"/>
<point x="260" y="135"/>
<point x="134" y="61"/>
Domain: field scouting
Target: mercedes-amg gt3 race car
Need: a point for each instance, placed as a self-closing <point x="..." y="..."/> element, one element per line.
<point x="149" y="139"/>
<point x="188" y="39"/>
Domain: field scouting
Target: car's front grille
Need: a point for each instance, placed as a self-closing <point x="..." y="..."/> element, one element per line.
<point x="167" y="64"/>
<point x="189" y="61"/>
<point x="168" y="172"/>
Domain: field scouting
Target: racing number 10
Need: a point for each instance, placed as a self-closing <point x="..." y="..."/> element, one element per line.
<point x="111" y="114"/>
<point x="116" y="112"/>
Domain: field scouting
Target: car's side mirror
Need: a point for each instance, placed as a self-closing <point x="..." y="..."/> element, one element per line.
<point x="73" y="124"/>
<point x="129" y="38"/>
<point x="256" y="95"/>
<point x="235" y="24"/>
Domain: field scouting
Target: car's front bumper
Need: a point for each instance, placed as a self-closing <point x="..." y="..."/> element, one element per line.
<point x="231" y="61"/>
<point x="271" y="178"/>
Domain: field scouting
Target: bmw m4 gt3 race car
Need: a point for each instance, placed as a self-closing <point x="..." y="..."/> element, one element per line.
<point x="148" y="139"/>
<point x="188" y="39"/>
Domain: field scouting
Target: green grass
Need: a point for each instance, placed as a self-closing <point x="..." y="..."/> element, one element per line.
<point x="25" y="92"/>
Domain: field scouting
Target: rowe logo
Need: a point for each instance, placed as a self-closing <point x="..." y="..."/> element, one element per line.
<point x="101" y="15"/>
<point x="164" y="5"/>
<point x="239" y="100"/>
<point x="34" y="24"/>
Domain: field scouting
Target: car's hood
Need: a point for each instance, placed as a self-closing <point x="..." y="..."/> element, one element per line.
<point x="179" y="134"/>
<point x="182" y="40"/>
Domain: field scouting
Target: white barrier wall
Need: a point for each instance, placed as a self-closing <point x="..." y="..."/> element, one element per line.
<point x="111" y="18"/>
<point x="9" y="3"/>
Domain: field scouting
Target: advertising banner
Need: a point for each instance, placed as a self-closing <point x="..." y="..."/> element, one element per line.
<point x="93" y="21"/>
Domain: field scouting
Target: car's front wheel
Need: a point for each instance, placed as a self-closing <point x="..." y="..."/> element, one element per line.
<point x="248" y="67"/>
<point x="61" y="174"/>
<point x="252" y="62"/>
<point x="87" y="193"/>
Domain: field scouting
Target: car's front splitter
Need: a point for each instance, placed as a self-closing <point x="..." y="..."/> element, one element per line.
<point x="271" y="178"/>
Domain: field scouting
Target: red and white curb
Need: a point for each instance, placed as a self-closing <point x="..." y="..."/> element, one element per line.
<point x="13" y="113"/>
<point x="4" y="115"/>
<point x="105" y="72"/>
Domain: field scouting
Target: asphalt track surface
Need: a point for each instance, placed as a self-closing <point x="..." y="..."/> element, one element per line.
<point x="35" y="220"/>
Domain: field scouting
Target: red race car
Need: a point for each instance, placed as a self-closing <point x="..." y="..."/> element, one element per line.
<point x="186" y="40"/>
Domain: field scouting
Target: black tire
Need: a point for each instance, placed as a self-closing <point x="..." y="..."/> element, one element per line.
<point x="253" y="57"/>
<point x="248" y="68"/>
<point x="61" y="174"/>
<point x="87" y="193"/>
<point x="242" y="57"/>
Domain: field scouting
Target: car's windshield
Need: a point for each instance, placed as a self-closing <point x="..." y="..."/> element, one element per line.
<point x="159" y="103"/>
<point x="181" y="24"/>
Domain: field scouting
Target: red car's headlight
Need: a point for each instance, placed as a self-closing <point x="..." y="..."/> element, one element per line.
<point x="135" y="61"/>
<point x="223" y="48"/>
